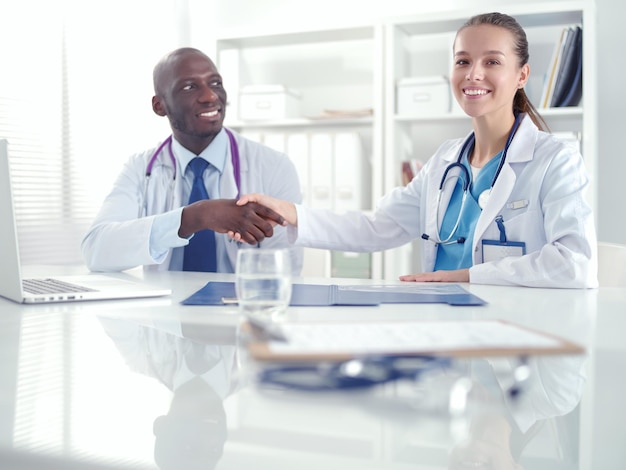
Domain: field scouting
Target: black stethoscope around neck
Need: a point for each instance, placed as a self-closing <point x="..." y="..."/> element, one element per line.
<point x="464" y="175"/>
<point x="234" y="152"/>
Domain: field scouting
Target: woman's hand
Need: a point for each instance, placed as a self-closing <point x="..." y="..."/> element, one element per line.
<point x="459" y="275"/>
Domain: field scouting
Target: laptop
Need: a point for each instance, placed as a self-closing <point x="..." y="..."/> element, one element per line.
<point x="57" y="289"/>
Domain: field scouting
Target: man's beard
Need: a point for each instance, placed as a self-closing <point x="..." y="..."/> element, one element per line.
<point x="179" y="125"/>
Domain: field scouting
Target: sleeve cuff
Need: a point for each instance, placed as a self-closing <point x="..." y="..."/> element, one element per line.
<point x="164" y="234"/>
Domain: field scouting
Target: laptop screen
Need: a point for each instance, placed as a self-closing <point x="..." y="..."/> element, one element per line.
<point x="10" y="273"/>
<point x="81" y="287"/>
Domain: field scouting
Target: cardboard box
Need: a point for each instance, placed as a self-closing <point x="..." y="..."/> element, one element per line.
<point x="268" y="102"/>
<point x="423" y="96"/>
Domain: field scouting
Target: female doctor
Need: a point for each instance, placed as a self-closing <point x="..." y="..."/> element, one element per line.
<point x="505" y="205"/>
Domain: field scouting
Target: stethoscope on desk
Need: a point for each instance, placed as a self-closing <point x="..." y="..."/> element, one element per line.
<point x="464" y="174"/>
<point x="355" y="373"/>
<point x="234" y="152"/>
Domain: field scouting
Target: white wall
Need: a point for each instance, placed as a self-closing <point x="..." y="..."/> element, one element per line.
<point x="240" y="17"/>
<point x="611" y="123"/>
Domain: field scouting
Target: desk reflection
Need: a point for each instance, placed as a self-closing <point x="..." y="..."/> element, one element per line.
<point x="200" y="374"/>
<point x="505" y="425"/>
<point x="390" y="427"/>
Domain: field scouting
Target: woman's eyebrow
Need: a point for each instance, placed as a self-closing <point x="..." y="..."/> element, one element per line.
<point x="490" y="52"/>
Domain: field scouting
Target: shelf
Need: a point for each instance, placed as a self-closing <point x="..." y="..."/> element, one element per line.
<point x="359" y="66"/>
<point x="557" y="112"/>
<point x="453" y="117"/>
<point x="421" y="46"/>
<point x="233" y="41"/>
<point x="297" y="123"/>
<point x="528" y="16"/>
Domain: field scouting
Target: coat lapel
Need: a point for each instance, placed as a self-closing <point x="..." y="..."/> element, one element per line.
<point x="520" y="151"/>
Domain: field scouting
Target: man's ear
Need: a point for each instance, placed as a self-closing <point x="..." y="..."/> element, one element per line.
<point x="157" y="106"/>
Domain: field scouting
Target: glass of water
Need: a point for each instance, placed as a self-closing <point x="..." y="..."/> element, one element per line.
<point x="263" y="282"/>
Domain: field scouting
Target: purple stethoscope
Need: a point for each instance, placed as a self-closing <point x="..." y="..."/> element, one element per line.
<point x="234" y="152"/>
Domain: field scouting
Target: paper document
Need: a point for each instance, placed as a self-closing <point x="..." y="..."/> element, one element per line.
<point x="451" y="338"/>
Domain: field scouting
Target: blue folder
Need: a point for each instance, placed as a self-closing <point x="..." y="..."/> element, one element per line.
<point x="214" y="293"/>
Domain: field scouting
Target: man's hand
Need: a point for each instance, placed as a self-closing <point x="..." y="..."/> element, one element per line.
<point x="252" y="221"/>
<point x="459" y="275"/>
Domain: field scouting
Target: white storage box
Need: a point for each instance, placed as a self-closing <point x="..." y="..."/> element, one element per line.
<point x="268" y="102"/>
<point x="423" y="96"/>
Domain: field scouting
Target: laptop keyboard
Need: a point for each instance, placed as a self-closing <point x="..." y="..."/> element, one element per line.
<point x="51" y="286"/>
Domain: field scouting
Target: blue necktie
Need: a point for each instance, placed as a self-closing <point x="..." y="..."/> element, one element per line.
<point x="200" y="253"/>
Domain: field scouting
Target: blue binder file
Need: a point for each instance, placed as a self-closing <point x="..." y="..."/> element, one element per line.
<point x="568" y="86"/>
<point x="573" y="94"/>
<point x="215" y="293"/>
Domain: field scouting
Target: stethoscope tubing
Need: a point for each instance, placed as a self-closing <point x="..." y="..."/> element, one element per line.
<point x="466" y="182"/>
<point x="235" y="159"/>
<point x="372" y="370"/>
<point x="156" y="153"/>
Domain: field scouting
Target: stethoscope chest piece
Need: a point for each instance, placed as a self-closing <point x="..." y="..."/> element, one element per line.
<point x="483" y="198"/>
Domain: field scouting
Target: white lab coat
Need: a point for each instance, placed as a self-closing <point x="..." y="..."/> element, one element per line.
<point x="118" y="239"/>
<point x="556" y="223"/>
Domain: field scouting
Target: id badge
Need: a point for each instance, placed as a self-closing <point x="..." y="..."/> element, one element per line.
<point x="495" y="249"/>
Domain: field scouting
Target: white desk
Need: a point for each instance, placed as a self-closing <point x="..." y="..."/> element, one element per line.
<point x="87" y="385"/>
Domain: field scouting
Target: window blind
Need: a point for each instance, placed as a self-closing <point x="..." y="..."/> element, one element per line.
<point x="75" y="92"/>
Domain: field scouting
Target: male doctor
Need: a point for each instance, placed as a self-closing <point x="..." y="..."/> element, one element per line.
<point x="149" y="218"/>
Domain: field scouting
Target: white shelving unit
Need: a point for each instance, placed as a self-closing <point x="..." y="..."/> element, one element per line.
<point x="336" y="69"/>
<point x="358" y="67"/>
<point x="421" y="46"/>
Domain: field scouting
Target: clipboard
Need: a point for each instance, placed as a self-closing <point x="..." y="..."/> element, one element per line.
<point x="314" y="342"/>
<point x="221" y="293"/>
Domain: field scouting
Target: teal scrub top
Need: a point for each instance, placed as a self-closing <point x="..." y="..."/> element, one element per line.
<point x="459" y="255"/>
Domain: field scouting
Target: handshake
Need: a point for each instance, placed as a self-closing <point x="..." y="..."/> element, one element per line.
<point x="250" y="219"/>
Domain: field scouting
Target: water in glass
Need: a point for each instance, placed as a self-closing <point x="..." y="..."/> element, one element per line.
<point x="263" y="282"/>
